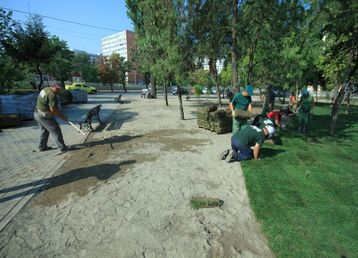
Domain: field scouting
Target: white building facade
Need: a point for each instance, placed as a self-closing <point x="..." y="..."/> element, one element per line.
<point x="122" y="43"/>
<point x="118" y="43"/>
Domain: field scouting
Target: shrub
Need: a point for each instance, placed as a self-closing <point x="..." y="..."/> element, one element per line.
<point x="198" y="90"/>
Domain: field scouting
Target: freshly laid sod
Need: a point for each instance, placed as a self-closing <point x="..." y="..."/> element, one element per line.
<point x="305" y="192"/>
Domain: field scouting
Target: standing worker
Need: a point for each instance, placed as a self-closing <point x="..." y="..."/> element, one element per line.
<point x="241" y="101"/>
<point x="45" y="113"/>
<point x="269" y="102"/>
<point x="304" y="111"/>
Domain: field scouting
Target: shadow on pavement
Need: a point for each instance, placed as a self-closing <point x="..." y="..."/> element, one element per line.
<point x="101" y="172"/>
<point x="112" y="140"/>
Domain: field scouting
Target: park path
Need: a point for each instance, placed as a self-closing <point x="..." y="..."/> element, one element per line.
<point x="127" y="194"/>
<point x="21" y="163"/>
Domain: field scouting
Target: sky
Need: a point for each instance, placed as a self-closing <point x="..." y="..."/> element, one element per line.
<point x="109" y="14"/>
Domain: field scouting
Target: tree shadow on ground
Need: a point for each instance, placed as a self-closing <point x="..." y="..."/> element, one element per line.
<point x="101" y="172"/>
<point x="319" y="127"/>
<point x="120" y="119"/>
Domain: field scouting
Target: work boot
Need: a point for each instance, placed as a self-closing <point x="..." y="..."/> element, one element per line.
<point x="224" y="154"/>
<point x="231" y="157"/>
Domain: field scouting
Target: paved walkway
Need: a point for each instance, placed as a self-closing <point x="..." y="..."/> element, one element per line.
<point x="20" y="162"/>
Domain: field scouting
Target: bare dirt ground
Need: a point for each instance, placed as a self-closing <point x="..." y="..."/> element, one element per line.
<point x="126" y="193"/>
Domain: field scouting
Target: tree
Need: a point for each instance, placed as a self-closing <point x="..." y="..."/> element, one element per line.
<point x="213" y="35"/>
<point x="60" y="66"/>
<point x="157" y="26"/>
<point x="83" y="66"/>
<point x="339" y="32"/>
<point x="225" y="76"/>
<point x="123" y="67"/>
<point x="10" y="71"/>
<point x="30" y="45"/>
<point x="199" y="76"/>
<point x="113" y="69"/>
<point x="143" y="15"/>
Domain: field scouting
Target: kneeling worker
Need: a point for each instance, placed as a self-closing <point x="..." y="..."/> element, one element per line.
<point x="246" y="143"/>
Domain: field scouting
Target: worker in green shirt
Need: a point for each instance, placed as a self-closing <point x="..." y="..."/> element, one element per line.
<point x="45" y="112"/>
<point x="246" y="143"/>
<point x="304" y="111"/>
<point x="241" y="101"/>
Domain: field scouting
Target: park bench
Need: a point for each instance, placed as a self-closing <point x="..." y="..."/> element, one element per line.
<point x="87" y="122"/>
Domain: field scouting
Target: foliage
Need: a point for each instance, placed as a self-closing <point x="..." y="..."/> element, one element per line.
<point x="11" y="72"/>
<point x="84" y="67"/>
<point x="225" y="76"/>
<point x="122" y="66"/>
<point x="339" y="33"/>
<point x="199" y="76"/>
<point x="198" y="90"/>
<point x="60" y="67"/>
<point x="113" y="69"/>
<point x="303" y="192"/>
<point x="30" y="45"/>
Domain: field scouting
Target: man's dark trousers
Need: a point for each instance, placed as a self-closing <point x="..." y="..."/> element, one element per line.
<point x="241" y="151"/>
<point x="49" y="126"/>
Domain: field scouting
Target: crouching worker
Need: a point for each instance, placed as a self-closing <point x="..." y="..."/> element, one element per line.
<point x="246" y="143"/>
<point x="45" y="113"/>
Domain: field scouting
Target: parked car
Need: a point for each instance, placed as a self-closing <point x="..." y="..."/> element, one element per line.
<point x="279" y="92"/>
<point x="81" y="86"/>
<point x="184" y="91"/>
<point x="207" y="90"/>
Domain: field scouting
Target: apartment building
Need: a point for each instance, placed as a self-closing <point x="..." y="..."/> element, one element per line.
<point x="122" y="43"/>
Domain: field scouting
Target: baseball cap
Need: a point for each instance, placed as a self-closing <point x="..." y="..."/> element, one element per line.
<point x="271" y="130"/>
<point x="268" y="122"/>
<point x="250" y="89"/>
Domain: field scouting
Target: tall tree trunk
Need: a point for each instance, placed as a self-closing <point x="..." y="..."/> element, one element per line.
<point x="153" y="90"/>
<point x="111" y="85"/>
<point x="38" y="69"/>
<point x="338" y="100"/>
<point x="335" y="108"/>
<point x="62" y="82"/>
<point x="214" y="74"/>
<point x="250" y="71"/>
<point x="233" y="46"/>
<point x="181" y="109"/>
<point x="124" y="86"/>
<point x="348" y="105"/>
<point x="166" y="94"/>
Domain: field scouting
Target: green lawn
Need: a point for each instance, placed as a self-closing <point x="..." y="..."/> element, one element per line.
<point x="305" y="192"/>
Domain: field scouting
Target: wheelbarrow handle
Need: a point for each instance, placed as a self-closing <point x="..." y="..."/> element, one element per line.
<point x="77" y="129"/>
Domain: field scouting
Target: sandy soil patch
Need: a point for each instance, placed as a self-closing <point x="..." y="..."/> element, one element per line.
<point x="127" y="193"/>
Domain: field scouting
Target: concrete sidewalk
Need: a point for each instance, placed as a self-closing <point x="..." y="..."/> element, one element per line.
<point x="22" y="167"/>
